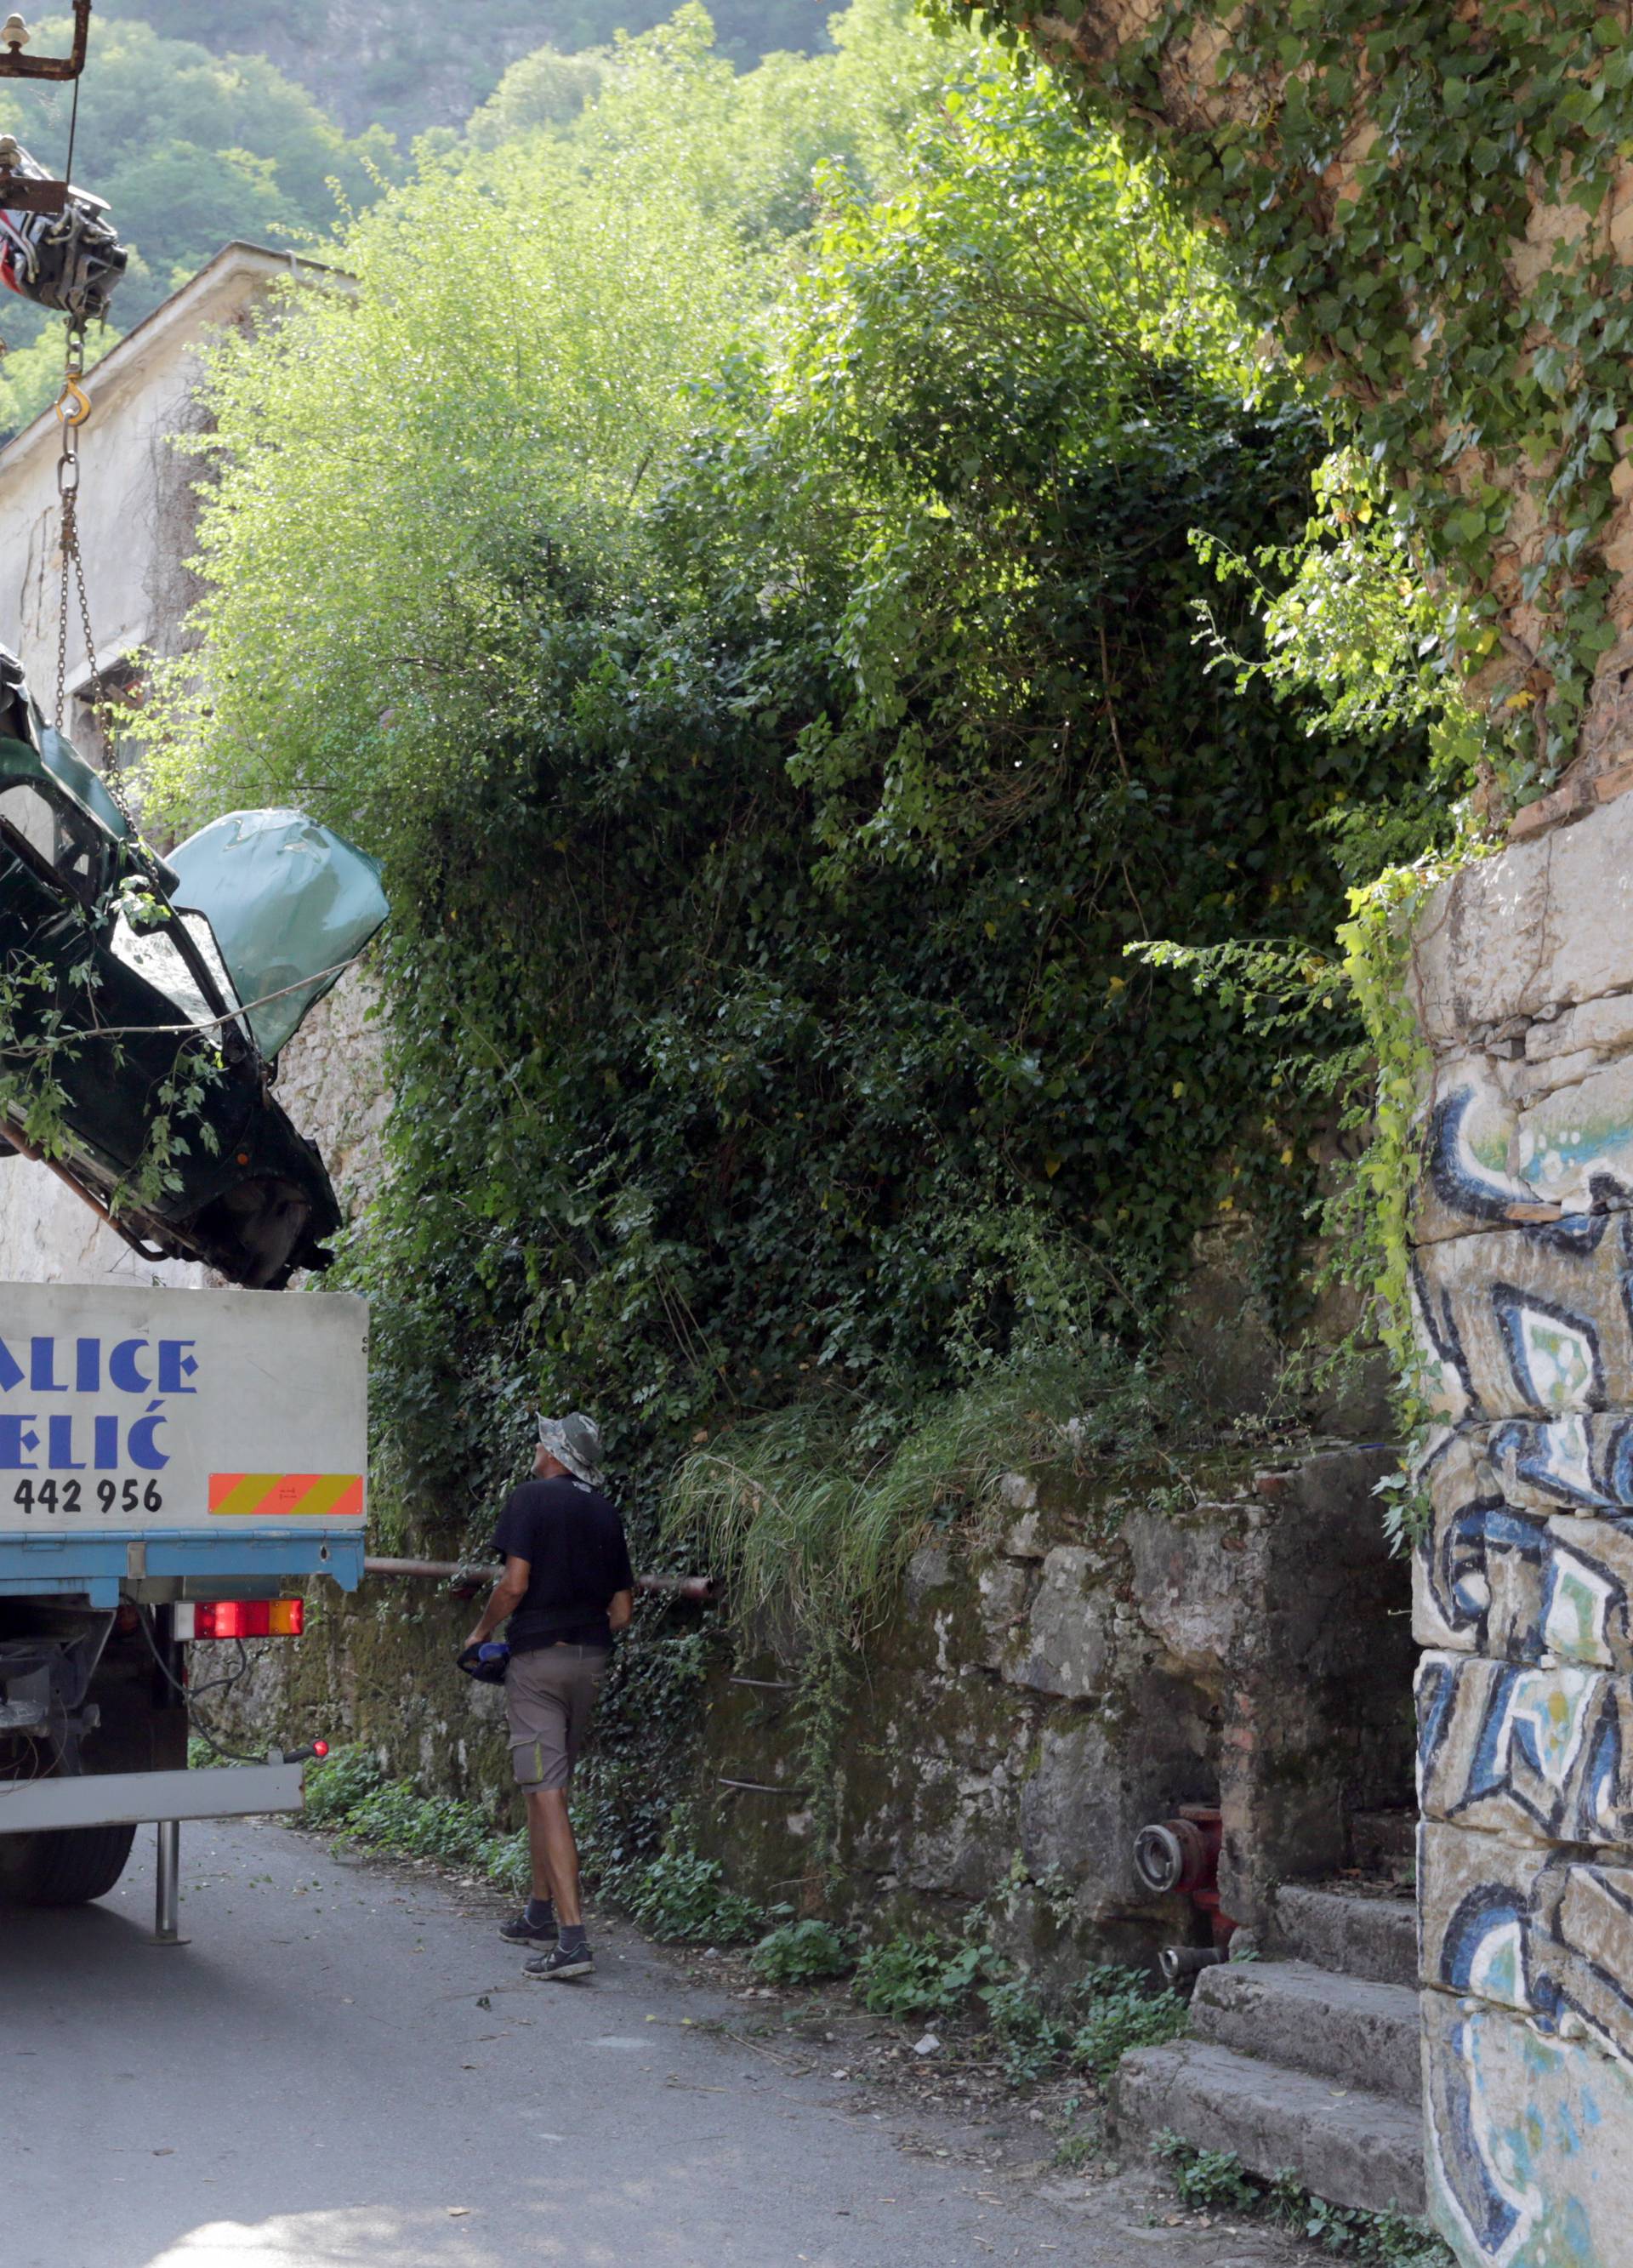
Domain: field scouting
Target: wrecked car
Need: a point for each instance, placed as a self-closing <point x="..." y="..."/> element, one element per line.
<point x="143" y="1002"/>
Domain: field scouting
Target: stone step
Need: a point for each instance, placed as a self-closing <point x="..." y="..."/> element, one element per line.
<point x="1383" y="1841"/>
<point x="1350" y="2147"/>
<point x="1374" y="1938"/>
<point x="1348" y="2029"/>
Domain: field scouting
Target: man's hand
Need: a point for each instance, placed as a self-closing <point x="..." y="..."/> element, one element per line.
<point x="507" y="1594"/>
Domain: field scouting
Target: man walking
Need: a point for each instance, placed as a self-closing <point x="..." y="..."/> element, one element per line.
<point x="567" y="1589"/>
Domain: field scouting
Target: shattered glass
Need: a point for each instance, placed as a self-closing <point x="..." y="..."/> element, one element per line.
<point x="154" y="956"/>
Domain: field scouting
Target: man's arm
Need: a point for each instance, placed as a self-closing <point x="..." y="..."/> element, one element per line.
<point x="620" y="1607"/>
<point x="507" y="1594"/>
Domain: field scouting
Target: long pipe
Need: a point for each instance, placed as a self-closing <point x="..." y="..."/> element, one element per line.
<point x="699" y="1588"/>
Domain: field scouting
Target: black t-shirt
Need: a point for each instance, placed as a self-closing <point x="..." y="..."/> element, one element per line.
<point x="573" y="1541"/>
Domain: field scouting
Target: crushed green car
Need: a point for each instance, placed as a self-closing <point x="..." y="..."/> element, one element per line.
<point x="143" y="1002"/>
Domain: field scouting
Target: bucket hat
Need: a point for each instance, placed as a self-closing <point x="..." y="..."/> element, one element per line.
<point x="576" y="1440"/>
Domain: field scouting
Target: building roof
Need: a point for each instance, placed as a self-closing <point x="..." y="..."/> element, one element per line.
<point x="232" y="276"/>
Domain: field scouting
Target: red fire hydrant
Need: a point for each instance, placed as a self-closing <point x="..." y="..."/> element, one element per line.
<point x="1181" y="1856"/>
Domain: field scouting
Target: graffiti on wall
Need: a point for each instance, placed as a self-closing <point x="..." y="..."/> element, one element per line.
<point x="1524" y="1602"/>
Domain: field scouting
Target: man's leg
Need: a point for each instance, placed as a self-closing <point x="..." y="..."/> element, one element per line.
<point x="554" y="1853"/>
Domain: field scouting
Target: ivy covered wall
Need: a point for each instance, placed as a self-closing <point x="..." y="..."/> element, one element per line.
<point x="780" y="699"/>
<point x="1433" y="206"/>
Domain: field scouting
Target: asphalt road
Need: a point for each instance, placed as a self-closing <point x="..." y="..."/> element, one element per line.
<point x="345" y="2068"/>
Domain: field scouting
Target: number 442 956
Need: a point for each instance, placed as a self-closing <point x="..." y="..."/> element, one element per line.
<point x="65" y="1495"/>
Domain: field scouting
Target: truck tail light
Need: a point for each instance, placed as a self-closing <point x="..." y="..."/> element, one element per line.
<point x="241" y="1618"/>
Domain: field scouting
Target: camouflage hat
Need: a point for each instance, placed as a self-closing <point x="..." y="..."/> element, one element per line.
<point x="576" y="1440"/>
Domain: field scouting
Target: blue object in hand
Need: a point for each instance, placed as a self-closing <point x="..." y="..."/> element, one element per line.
<point x="487" y="1662"/>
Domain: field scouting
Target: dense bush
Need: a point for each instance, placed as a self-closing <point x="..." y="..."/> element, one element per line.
<point x="776" y="727"/>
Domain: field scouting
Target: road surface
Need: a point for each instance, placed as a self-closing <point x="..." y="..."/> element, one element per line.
<point x="345" y="2068"/>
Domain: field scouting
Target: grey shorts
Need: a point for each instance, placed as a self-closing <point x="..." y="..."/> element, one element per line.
<point x="549" y="1698"/>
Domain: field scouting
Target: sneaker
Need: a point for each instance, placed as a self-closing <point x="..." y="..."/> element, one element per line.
<point x="558" y="1964"/>
<point x="520" y="1930"/>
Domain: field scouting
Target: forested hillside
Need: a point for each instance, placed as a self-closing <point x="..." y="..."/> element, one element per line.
<point x="408" y="64"/>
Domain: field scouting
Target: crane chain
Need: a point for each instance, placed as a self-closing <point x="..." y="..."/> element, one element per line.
<point x="73" y="408"/>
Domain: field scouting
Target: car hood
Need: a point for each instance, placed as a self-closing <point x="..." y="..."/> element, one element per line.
<point x="289" y="903"/>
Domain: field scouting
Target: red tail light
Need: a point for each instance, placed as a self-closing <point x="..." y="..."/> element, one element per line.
<point x="242" y="1618"/>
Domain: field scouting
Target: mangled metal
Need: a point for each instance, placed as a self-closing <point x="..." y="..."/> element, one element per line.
<point x="121" y="992"/>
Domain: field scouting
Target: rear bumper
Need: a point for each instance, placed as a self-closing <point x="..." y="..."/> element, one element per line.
<point x="97" y="1568"/>
<point x="121" y="1799"/>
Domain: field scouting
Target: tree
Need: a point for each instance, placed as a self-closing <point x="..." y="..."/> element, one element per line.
<point x="776" y="703"/>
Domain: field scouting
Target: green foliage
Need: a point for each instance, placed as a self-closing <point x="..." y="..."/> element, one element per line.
<point x="348" y="1794"/>
<point x="1090" y="2029"/>
<point x="801" y="1953"/>
<point x="1116" y="2010"/>
<point x="544" y="91"/>
<point x="1345" y="616"/>
<point x="674" y="1895"/>
<point x="1215" y="2181"/>
<point x="683" y="1898"/>
<point x="811" y="1513"/>
<point x="771" y="774"/>
<point x="338" y="1782"/>
<point x="906" y="1975"/>
<point x="1208" y="2181"/>
<point x="1467" y="371"/>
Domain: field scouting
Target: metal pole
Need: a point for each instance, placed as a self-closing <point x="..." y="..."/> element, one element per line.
<point x="168" y="1885"/>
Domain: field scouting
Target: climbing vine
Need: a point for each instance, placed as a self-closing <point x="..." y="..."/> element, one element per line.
<point x="1422" y="201"/>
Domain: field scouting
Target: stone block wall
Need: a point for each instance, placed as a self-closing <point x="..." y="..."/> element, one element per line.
<point x="1107" y="1649"/>
<point x="1523" y="1275"/>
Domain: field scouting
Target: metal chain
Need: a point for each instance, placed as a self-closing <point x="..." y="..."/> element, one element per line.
<point x="73" y="408"/>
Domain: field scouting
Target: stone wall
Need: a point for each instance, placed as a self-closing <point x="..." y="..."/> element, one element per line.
<point x="1098" y="1650"/>
<point x="1111" y="1646"/>
<point x="1524" y="1281"/>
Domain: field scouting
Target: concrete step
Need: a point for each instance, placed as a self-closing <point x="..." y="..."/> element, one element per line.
<point x="1348" y="2029"/>
<point x="1349" y="2146"/>
<point x="1374" y="1938"/>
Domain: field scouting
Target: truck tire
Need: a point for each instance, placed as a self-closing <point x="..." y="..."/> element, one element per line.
<point x="67" y="1865"/>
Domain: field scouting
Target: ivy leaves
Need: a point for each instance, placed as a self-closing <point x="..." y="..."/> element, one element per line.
<point x="1419" y="200"/>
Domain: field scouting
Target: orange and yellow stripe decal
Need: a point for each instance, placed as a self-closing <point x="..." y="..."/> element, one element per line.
<point x="286" y="1495"/>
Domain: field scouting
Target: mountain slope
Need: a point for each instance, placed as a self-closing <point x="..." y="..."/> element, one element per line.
<point x="409" y="64"/>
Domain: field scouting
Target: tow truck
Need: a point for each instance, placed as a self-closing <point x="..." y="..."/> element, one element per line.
<point x="177" y="1468"/>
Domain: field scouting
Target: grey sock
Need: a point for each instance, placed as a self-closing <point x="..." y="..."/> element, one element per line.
<point x="539" y="1910"/>
<point x="573" y="1939"/>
